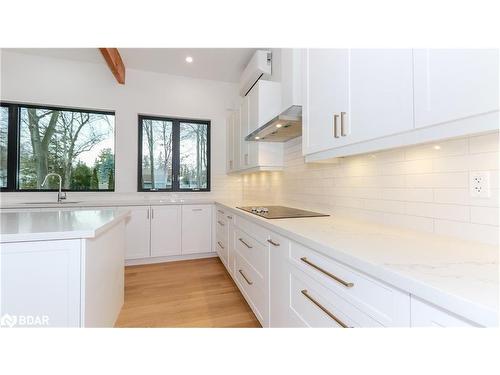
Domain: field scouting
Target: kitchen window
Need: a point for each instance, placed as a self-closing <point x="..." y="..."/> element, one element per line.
<point x="174" y="154"/>
<point x="74" y="143"/>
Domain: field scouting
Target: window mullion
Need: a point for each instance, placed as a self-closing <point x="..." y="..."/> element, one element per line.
<point x="176" y="155"/>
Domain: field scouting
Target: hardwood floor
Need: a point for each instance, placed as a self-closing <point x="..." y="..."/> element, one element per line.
<point x="190" y="293"/>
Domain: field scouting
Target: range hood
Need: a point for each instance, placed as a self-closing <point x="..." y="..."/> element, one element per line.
<point x="285" y="126"/>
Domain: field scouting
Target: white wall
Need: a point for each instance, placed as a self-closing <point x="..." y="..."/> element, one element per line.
<point x="42" y="80"/>
<point x="419" y="187"/>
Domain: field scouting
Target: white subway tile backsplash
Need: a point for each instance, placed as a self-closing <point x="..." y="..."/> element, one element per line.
<point x="424" y="187"/>
<point x="484" y="215"/>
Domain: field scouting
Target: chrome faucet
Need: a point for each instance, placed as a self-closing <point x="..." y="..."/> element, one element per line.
<point x="60" y="195"/>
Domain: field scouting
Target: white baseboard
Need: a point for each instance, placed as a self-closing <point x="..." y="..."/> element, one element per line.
<point x="135" y="262"/>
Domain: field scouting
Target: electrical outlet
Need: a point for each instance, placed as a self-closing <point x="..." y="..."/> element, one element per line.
<point x="479" y="183"/>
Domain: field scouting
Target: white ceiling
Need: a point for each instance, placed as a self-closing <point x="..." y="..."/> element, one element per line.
<point x="221" y="64"/>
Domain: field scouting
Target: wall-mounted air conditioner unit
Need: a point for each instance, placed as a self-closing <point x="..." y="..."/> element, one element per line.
<point x="259" y="64"/>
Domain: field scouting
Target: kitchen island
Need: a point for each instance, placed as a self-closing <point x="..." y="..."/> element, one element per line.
<point x="62" y="268"/>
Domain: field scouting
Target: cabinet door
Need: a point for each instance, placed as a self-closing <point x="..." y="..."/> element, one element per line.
<point x="427" y="315"/>
<point x="451" y="84"/>
<point x="380" y="94"/>
<point x="42" y="280"/>
<point x="236" y="139"/>
<point x="229" y="144"/>
<point x="325" y="85"/>
<point x="196" y="229"/>
<point x="165" y="230"/>
<point x="137" y="233"/>
<point x="245" y="130"/>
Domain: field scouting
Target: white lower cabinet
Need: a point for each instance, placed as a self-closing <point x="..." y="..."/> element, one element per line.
<point x="165" y="230"/>
<point x="137" y="236"/>
<point x="168" y="230"/>
<point x="288" y="284"/>
<point x="196" y="229"/>
<point x="424" y="314"/>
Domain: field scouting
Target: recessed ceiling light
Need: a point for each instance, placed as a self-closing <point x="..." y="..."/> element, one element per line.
<point x="189" y="59"/>
<point x="279" y="125"/>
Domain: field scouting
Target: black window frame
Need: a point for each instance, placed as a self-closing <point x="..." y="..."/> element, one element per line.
<point x="176" y="121"/>
<point x="13" y="153"/>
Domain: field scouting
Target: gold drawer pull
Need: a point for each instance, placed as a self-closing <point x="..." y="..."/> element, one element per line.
<point x="340" y="322"/>
<point x="273" y="243"/>
<point x="242" y="274"/>
<point x="220" y="223"/>
<point x="218" y="243"/>
<point x="344" y="283"/>
<point x="244" y="243"/>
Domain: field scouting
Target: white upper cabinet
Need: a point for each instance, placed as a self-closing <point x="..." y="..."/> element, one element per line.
<point x="355" y="95"/>
<point x="291" y="77"/>
<point x="324" y="95"/>
<point x="365" y="100"/>
<point x="260" y="105"/>
<point x="237" y="139"/>
<point x="452" y="84"/>
<point x="229" y="143"/>
<point x="264" y="103"/>
<point x="165" y="230"/>
<point x="380" y="93"/>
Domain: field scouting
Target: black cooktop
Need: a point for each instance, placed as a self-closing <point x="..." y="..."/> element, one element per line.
<point x="279" y="212"/>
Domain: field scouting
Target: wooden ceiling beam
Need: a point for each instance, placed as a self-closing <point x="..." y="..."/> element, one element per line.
<point x="115" y="63"/>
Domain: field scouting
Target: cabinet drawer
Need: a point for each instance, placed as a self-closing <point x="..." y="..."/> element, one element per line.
<point x="222" y="250"/>
<point x="253" y="251"/>
<point x="256" y="231"/>
<point x="389" y="306"/>
<point x="253" y="287"/>
<point x="317" y="306"/>
<point x="221" y="226"/>
<point x="424" y="314"/>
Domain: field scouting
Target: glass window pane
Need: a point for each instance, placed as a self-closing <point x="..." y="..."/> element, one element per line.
<point x="77" y="145"/>
<point x="156" y="154"/>
<point x="193" y="156"/>
<point x="4" y="131"/>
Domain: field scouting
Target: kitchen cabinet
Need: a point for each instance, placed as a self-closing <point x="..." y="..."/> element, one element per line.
<point x="260" y="105"/>
<point x="230" y="143"/>
<point x="365" y="100"/>
<point x="165" y="230"/>
<point x="355" y="95"/>
<point x="64" y="283"/>
<point x="196" y="229"/>
<point x="451" y="84"/>
<point x="424" y="314"/>
<point x="237" y="140"/>
<point x="137" y="235"/>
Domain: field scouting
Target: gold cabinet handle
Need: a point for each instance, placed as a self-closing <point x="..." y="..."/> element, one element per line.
<point x="220" y="223"/>
<point x="339" y="280"/>
<point x="246" y="279"/>
<point x="335" y="127"/>
<point x="343" y="127"/>
<point x="244" y="243"/>
<point x="273" y="243"/>
<point x="218" y="243"/>
<point x="323" y="308"/>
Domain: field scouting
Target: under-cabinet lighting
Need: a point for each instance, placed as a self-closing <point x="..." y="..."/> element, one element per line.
<point x="279" y="125"/>
<point x="189" y="59"/>
<point x="437" y="147"/>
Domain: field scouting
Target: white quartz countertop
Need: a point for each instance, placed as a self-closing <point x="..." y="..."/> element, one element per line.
<point x="57" y="224"/>
<point x="459" y="276"/>
<point x="105" y="203"/>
